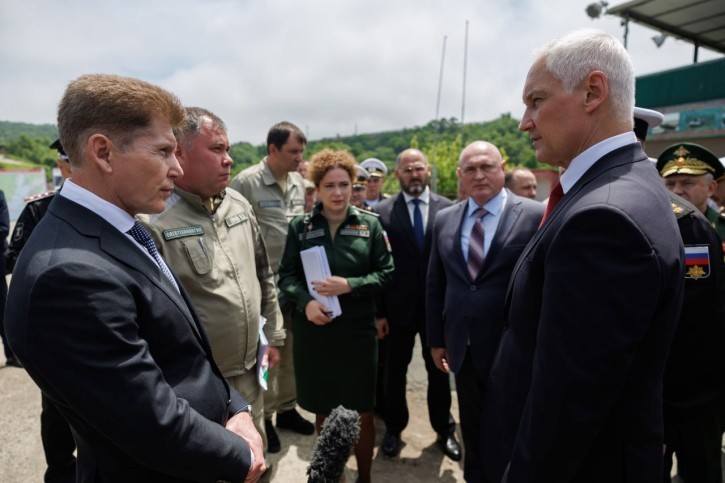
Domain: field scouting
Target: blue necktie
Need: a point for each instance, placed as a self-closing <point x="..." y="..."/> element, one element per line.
<point x="139" y="233"/>
<point x="418" y="224"/>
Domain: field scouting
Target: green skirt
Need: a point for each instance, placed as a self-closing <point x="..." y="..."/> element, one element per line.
<point x="335" y="364"/>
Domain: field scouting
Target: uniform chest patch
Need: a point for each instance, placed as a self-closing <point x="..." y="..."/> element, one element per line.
<point x="235" y="220"/>
<point x="697" y="261"/>
<point x="313" y="234"/>
<point x="183" y="232"/>
<point x="269" y="203"/>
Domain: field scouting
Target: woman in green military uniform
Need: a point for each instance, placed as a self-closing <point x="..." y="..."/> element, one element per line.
<point x="335" y="358"/>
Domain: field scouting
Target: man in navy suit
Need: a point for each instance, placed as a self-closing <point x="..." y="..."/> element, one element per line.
<point x="465" y="302"/>
<point x="99" y="321"/>
<point x="408" y="220"/>
<point x="575" y="390"/>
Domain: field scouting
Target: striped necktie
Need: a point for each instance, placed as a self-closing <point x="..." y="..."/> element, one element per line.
<point x="475" y="244"/>
<point x="139" y="233"/>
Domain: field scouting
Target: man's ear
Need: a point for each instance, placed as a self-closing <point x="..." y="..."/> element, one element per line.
<point x="100" y="148"/>
<point x="596" y="86"/>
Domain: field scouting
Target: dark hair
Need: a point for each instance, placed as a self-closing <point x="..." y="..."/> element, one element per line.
<point x="280" y="133"/>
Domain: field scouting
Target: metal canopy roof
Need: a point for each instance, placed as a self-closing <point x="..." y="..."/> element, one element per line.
<point x="701" y="22"/>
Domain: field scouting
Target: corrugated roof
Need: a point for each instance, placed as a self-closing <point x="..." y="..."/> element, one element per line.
<point x="701" y="22"/>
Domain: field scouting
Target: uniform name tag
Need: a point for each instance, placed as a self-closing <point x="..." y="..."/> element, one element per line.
<point x="270" y="204"/>
<point x="355" y="232"/>
<point x="298" y="202"/>
<point x="182" y="232"/>
<point x="313" y="234"/>
<point x="235" y="220"/>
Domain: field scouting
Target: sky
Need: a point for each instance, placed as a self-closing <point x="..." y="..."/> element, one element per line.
<point x="333" y="67"/>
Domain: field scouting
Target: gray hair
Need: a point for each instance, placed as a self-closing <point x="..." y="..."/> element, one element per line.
<point x="195" y="119"/>
<point x="572" y="57"/>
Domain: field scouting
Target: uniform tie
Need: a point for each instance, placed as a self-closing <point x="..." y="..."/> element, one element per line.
<point x="139" y="233"/>
<point x="475" y="244"/>
<point x="418" y="224"/>
<point x="557" y="193"/>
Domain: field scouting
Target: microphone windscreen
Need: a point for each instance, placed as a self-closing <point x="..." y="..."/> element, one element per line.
<point x="332" y="449"/>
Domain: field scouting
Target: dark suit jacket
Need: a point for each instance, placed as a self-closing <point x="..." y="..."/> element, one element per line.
<point x="411" y="265"/>
<point x="460" y="309"/>
<point x="121" y="353"/>
<point x="575" y="391"/>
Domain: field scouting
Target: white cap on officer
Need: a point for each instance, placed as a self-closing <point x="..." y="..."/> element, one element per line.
<point x="375" y="167"/>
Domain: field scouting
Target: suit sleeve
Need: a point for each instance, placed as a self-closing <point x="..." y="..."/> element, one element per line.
<point x="594" y="318"/>
<point x="131" y="404"/>
<point x="435" y="292"/>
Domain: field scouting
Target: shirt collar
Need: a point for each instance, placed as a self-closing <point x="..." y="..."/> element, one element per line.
<point x="114" y="215"/>
<point x="493" y="206"/>
<point x="424" y="196"/>
<point x="581" y="164"/>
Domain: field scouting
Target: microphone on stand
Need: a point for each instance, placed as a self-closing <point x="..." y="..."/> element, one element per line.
<point x="332" y="449"/>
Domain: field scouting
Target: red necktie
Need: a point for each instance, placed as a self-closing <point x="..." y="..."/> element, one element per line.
<point x="554" y="198"/>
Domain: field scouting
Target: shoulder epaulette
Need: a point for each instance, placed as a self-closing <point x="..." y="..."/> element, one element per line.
<point x="39" y="196"/>
<point x="363" y="211"/>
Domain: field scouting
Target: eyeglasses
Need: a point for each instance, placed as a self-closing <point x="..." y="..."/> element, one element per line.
<point x="485" y="168"/>
<point x="416" y="169"/>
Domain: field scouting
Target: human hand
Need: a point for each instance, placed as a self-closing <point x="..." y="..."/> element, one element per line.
<point x="242" y="425"/>
<point x="440" y="358"/>
<point x="382" y="326"/>
<point x="332" y="286"/>
<point x="317" y="313"/>
<point x="273" y="356"/>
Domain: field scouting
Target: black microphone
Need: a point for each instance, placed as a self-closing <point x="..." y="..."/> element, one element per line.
<point x="339" y="435"/>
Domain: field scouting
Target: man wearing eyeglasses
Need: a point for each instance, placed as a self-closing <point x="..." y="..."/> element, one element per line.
<point x="408" y="219"/>
<point x="475" y="246"/>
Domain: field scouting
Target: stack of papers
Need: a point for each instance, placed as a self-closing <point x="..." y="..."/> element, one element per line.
<point x="317" y="267"/>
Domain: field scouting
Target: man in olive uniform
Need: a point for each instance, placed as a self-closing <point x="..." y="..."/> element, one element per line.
<point x="693" y="374"/>
<point x="277" y="194"/>
<point x="55" y="433"/>
<point x="210" y="238"/>
<point x="377" y="171"/>
<point x="692" y="171"/>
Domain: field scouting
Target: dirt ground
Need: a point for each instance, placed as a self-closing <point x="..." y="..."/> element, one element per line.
<point x="420" y="460"/>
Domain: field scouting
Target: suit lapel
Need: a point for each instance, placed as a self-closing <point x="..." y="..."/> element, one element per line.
<point x="457" y="250"/>
<point x="509" y="216"/>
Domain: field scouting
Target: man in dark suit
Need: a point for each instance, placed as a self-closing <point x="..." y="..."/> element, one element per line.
<point x="575" y="390"/>
<point x="465" y="297"/>
<point x="408" y="219"/>
<point x="99" y="321"/>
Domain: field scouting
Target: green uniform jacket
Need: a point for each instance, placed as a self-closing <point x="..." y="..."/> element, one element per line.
<point x="718" y="222"/>
<point x="359" y="253"/>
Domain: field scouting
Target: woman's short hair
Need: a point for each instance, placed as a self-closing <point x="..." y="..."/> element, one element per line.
<point x="328" y="159"/>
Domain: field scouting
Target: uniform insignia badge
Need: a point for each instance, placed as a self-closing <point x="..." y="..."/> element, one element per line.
<point x="697" y="262"/>
<point x="269" y="203"/>
<point x="387" y="241"/>
<point x="235" y="220"/>
<point x="183" y="232"/>
<point x="320" y="232"/>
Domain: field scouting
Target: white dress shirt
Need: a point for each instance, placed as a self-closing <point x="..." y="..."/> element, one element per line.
<point x="494" y="207"/>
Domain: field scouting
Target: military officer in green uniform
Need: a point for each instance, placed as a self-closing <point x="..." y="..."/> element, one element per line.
<point x="336" y="355"/>
<point x="692" y="171"/>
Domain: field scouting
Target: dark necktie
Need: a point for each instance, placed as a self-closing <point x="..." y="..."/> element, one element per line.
<point x="139" y="233"/>
<point x="418" y="224"/>
<point x="557" y="193"/>
<point x="475" y="244"/>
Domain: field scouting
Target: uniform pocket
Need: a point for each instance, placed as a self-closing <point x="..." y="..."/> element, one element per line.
<point x="198" y="254"/>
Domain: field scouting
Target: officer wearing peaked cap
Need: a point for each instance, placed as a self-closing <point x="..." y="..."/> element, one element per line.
<point x="692" y="171"/>
<point x="693" y="374"/>
<point x="377" y="171"/>
<point x="359" y="188"/>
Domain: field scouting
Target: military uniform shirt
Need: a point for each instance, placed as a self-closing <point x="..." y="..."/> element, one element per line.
<point x="222" y="262"/>
<point x="274" y="209"/>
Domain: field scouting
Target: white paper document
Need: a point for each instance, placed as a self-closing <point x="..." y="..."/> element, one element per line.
<point x="262" y="359"/>
<point x="317" y="267"/>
